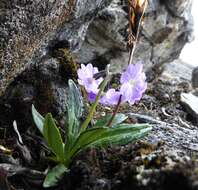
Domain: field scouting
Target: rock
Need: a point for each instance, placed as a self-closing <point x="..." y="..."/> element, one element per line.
<point x="195" y="78"/>
<point x="30" y="28"/>
<point x="180" y="8"/>
<point x="166" y="29"/>
<point x="173" y="136"/>
<point x="43" y="85"/>
<point x="177" y="70"/>
<point x="190" y="101"/>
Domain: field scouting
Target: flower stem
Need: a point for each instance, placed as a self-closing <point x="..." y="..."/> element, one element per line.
<point x="93" y="107"/>
<point x="115" y="111"/>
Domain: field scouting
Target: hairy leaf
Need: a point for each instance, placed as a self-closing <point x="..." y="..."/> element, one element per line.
<point x="103" y="136"/>
<point x="38" y="119"/>
<point x="54" y="175"/>
<point x="76" y="98"/>
<point x="119" y="118"/>
<point x="74" y="109"/>
<point x="53" y="137"/>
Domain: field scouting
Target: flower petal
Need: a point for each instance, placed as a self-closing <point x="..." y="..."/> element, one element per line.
<point x="91" y="97"/>
<point x="133" y="89"/>
<point x="111" y="97"/>
<point x="86" y="78"/>
<point x="132" y="72"/>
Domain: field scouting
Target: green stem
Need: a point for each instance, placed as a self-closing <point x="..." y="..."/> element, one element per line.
<point x="115" y="111"/>
<point x="93" y="107"/>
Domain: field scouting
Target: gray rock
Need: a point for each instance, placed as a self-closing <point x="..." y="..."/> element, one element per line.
<point x="167" y="27"/>
<point x="191" y="103"/>
<point x="28" y="28"/>
<point x="194" y="78"/>
<point x="175" y="137"/>
<point x="43" y="85"/>
<point x="177" y="70"/>
<point x="180" y="8"/>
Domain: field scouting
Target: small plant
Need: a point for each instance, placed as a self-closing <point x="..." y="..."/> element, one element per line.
<point x="107" y="130"/>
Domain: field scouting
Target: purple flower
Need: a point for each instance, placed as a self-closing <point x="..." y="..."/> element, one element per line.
<point x="111" y="97"/>
<point x="91" y="97"/>
<point x="86" y="78"/>
<point x="133" y="82"/>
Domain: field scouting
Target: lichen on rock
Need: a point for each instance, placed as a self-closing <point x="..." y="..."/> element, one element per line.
<point x="29" y="27"/>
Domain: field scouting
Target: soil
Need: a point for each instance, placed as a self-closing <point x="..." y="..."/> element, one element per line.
<point x="158" y="162"/>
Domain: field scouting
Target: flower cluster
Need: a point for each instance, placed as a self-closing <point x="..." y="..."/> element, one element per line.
<point x="133" y="84"/>
<point x="86" y="79"/>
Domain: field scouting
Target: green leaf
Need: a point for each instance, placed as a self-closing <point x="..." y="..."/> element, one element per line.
<point x="119" y="118"/>
<point x="74" y="110"/>
<point x="76" y="99"/>
<point x="54" y="175"/>
<point x="38" y="119"/>
<point x="103" y="136"/>
<point x="53" y="137"/>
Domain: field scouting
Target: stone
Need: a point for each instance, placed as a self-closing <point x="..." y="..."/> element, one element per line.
<point x="161" y="40"/>
<point x="175" y="137"/>
<point x="180" y="8"/>
<point x="43" y="85"/>
<point x="29" y="28"/>
<point x="194" y="78"/>
<point x="177" y="70"/>
<point x="190" y="101"/>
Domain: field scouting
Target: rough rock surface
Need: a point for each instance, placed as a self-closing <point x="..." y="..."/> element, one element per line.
<point x="28" y="29"/>
<point x="43" y="85"/>
<point x="178" y="70"/>
<point x="167" y="27"/>
<point x="190" y="101"/>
